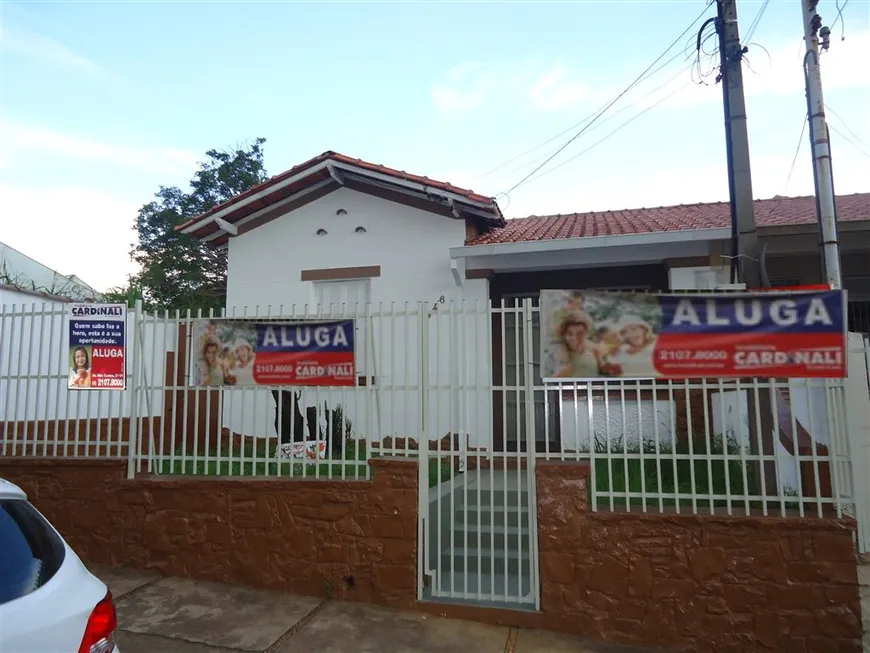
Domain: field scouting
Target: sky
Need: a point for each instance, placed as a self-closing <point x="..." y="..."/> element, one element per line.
<point x="101" y="103"/>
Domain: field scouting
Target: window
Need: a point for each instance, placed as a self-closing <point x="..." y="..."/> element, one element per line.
<point x="32" y="551"/>
<point x="348" y="298"/>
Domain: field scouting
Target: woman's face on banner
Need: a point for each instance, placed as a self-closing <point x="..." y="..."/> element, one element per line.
<point x="81" y="359"/>
<point x="575" y="336"/>
<point x="634" y="335"/>
<point x="243" y="355"/>
<point x="211" y="354"/>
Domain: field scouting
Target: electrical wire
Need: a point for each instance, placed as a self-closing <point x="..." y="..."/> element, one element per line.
<point x="850" y="141"/>
<point x="754" y="25"/>
<point x="845" y="125"/>
<point x="610" y="104"/>
<point x="796" y="153"/>
<point x="840" y="19"/>
<point x="603" y="122"/>
<point x="710" y="65"/>
<point x="569" y="129"/>
<point x="625" y="124"/>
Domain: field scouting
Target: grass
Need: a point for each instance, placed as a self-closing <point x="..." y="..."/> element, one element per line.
<point x="626" y="473"/>
<point x="257" y="458"/>
<point x="440" y="471"/>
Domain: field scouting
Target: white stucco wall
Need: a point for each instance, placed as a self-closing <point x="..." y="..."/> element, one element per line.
<point x="34" y="364"/>
<point x="411" y="247"/>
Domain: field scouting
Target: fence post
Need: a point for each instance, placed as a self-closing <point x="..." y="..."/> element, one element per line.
<point x="857" y="398"/>
<point x="531" y="444"/>
<point x="133" y="440"/>
<point x="423" y="454"/>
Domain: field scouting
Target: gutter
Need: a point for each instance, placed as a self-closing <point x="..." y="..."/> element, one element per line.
<point x="591" y="242"/>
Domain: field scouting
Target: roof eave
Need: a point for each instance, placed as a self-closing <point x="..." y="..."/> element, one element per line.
<point x="339" y="172"/>
<point x="586" y="242"/>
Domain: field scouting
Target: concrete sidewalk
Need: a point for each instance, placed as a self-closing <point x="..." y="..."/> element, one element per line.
<point x="174" y="615"/>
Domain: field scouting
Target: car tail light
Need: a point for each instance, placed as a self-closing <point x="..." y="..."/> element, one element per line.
<point x="100" y="632"/>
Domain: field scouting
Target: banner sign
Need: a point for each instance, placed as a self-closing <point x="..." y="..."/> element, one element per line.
<point x="588" y="335"/>
<point x="97" y="346"/>
<point x="246" y="353"/>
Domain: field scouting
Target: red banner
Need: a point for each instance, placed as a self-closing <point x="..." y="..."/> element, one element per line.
<point x="245" y="353"/>
<point x="798" y="334"/>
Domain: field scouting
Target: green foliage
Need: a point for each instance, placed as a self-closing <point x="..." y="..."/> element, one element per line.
<point x="176" y="271"/>
<point x="672" y="474"/>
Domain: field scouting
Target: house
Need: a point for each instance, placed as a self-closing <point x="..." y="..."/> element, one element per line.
<point x="344" y="232"/>
<point x="22" y="277"/>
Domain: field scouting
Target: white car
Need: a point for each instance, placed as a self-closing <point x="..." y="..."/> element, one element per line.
<point x="49" y="601"/>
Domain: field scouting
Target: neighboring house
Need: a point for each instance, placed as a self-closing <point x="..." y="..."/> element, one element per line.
<point x="21" y="275"/>
<point x="337" y="230"/>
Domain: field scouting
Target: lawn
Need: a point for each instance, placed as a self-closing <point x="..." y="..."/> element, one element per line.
<point x="636" y="471"/>
<point x="258" y="459"/>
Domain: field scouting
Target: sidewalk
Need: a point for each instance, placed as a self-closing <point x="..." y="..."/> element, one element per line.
<point x="174" y="615"/>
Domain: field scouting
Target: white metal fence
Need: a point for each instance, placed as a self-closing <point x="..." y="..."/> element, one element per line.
<point x="466" y="379"/>
<point x="458" y="387"/>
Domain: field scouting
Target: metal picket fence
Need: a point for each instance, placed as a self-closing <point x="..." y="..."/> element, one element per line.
<point x="466" y="379"/>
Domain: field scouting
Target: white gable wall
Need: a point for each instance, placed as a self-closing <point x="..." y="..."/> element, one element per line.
<point x="411" y="247"/>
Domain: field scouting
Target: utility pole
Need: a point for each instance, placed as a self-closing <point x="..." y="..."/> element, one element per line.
<point x="747" y="262"/>
<point x="744" y="242"/>
<point x="820" y="145"/>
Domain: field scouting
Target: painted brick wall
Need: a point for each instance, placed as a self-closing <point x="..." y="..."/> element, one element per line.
<point x="354" y="540"/>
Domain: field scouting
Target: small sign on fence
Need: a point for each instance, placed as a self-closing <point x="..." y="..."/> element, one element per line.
<point x="587" y="335"/>
<point x="308" y="450"/>
<point x="97" y="346"/>
<point x="246" y="353"/>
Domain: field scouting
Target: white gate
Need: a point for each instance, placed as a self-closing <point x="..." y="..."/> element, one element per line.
<point x="478" y="522"/>
<point x="858" y="422"/>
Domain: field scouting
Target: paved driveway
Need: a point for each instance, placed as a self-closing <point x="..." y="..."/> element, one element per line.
<point x="174" y="615"/>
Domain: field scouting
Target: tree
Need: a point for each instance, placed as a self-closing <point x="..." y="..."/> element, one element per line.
<point x="177" y="271"/>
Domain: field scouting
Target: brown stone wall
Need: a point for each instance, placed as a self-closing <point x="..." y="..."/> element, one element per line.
<point x="354" y="540"/>
<point x="697" y="583"/>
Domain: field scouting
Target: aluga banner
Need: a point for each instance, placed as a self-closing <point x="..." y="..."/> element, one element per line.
<point x="589" y="335"/>
<point x="97" y="346"/>
<point x="248" y="353"/>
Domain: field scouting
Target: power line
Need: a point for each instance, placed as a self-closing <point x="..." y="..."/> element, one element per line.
<point x="846" y="126"/>
<point x="796" y="153"/>
<point x="679" y="73"/>
<point x="610" y="104"/>
<point x="850" y="141"/>
<point x="576" y="124"/>
<point x="625" y="124"/>
<point x="840" y="19"/>
<point x="754" y="25"/>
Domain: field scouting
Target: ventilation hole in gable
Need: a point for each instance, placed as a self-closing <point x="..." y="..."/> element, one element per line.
<point x="360" y="230"/>
<point x="321" y="232"/>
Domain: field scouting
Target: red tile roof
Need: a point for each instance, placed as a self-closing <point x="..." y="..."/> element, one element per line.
<point x="768" y="213"/>
<point x="492" y="206"/>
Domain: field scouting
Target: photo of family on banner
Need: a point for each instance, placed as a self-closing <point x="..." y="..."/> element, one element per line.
<point x="244" y="353"/>
<point x="593" y="334"/>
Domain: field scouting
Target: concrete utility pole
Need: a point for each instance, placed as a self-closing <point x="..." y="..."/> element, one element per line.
<point x="820" y="145"/>
<point x="744" y="236"/>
